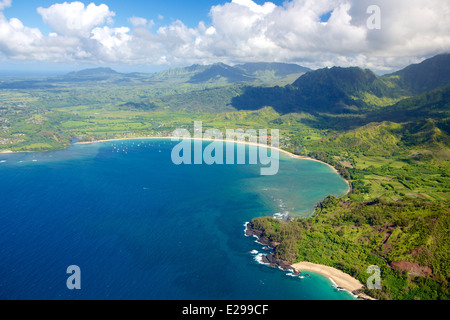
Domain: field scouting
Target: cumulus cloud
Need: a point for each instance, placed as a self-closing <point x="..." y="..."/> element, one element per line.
<point x="138" y="21"/>
<point x="240" y="30"/>
<point x="410" y="31"/>
<point x="113" y="42"/>
<point x="74" y="19"/>
<point x="5" y="4"/>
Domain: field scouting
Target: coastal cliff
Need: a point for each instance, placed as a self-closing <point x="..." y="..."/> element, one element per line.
<point x="342" y="280"/>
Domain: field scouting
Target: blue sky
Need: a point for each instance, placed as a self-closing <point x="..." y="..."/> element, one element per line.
<point x="191" y="12"/>
<point x="152" y="35"/>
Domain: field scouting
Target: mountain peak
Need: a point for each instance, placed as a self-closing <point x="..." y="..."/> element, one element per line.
<point x="93" y="72"/>
<point x="337" y="77"/>
<point x="220" y="70"/>
<point x="279" y="68"/>
<point x="428" y="75"/>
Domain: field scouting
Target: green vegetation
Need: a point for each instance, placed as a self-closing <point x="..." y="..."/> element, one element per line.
<point x="389" y="136"/>
<point x="353" y="236"/>
<point x="420" y="78"/>
<point x="396" y="217"/>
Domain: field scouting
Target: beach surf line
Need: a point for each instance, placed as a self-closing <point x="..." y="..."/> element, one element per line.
<point x="267" y="157"/>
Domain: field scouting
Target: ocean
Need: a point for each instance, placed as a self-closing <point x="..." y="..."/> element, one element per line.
<point x="142" y="228"/>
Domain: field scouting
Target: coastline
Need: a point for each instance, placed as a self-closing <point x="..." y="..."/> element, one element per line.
<point x="234" y="141"/>
<point x="340" y="279"/>
<point x="221" y="140"/>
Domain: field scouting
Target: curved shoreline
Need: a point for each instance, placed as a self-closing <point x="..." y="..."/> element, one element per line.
<point x="234" y="141"/>
<point x="222" y="140"/>
<point x="340" y="279"/>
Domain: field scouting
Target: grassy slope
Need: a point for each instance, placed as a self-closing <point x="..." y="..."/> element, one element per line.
<point x="397" y="211"/>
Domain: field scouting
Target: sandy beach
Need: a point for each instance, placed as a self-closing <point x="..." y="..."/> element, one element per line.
<point x="222" y="140"/>
<point x="342" y="279"/>
<point x="235" y="141"/>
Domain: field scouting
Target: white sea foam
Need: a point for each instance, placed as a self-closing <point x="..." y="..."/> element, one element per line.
<point x="336" y="286"/>
<point x="2" y="161"/>
<point x="334" y="283"/>
<point x="282" y="269"/>
<point x="254" y="252"/>
<point x="259" y="258"/>
<point x="280" y="203"/>
<point x="281" y="216"/>
<point x="246" y="228"/>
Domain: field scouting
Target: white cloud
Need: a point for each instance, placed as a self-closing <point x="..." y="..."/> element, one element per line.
<point x="411" y="30"/>
<point x="18" y="41"/>
<point x="113" y="43"/>
<point x="266" y="8"/>
<point x="138" y="21"/>
<point x="74" y="19"/>
<point x="5" y="4"/>
<point x="240" y="30"/>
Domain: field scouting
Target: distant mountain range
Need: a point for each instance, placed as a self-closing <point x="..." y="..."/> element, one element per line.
<point x="195" y="74"/>
<point x="248" y="72"/>
<point x="347" y="85"/>
<point x="417" y="91"/>
<point x="219" y="71"/>
<point x="92" y="72"/>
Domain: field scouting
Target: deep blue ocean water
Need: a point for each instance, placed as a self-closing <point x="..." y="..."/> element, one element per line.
<point x="140" y="227"/>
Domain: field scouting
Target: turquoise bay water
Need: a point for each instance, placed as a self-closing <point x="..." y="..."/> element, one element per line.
<point x="140" y="227"/>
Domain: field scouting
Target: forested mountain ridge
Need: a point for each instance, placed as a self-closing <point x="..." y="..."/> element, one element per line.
<point x="220" y="70"/>
<point x="433" y="104"/>
<point x="330" y="90"/>
<point x="428" y="75"/>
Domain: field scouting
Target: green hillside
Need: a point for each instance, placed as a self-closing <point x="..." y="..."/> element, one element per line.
<point x="426" y="76"/>
<point x="220" y="71"/>
<point x="396" y="216"/>
<point x="335" y="91"/>
<point x="433" y="104"/>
